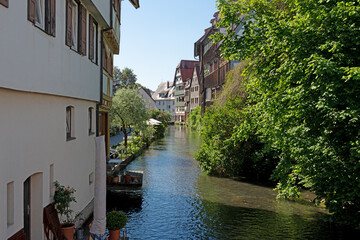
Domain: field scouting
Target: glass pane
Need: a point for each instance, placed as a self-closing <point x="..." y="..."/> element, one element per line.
<point x="74" y="42"/>
<point x="39" y="19"/>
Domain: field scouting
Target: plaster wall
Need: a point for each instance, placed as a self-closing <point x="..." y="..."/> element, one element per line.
<point x="33" y="137"/>
<point x="103" y="7"/>
<point x="34" y="61"/>
<point x="149" y="102"/>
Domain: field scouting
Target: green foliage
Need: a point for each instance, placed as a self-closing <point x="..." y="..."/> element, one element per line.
<point x="63" y="197"/>
<point x="194" y="120"/>
<point x="303" y="85"/>
<point x="159" y="131"/>
<point x="125" y="78"/>
<point x="128" y="111"/>
<point x="222" y="153"/>
<point x="164" y="117"/>
<point x="115" y="220"/>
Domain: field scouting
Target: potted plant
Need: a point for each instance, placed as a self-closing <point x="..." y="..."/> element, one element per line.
<point x="109" y="177"/>
<point x="115" y="178"/>
<point x="115" y="220"/>
<point x="62" y="198"/>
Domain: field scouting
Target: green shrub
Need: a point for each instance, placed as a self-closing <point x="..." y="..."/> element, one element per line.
<point x="115" y="220"/>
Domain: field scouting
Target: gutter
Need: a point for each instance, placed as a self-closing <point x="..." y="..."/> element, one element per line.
<point x="101" y="77"/>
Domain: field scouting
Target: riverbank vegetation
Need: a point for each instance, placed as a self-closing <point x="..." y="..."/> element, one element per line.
<point x="129" y="113"/>
<point x="295" y="116"/>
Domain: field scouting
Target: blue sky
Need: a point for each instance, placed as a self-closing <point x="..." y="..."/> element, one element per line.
<point x="155" y="37"/>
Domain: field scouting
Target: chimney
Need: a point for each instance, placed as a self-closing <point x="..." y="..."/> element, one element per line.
<point x="167" y="84"/>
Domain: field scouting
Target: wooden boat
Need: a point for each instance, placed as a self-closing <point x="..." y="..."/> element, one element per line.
<point x="130" y="180"/>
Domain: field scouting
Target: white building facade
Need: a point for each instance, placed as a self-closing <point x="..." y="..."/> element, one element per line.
<point x="50" y="95"/>
<point x="165" y="99"/>
<point x="145" y="94"/>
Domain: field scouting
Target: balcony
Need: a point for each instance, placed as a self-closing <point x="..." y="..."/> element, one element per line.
<point x="211" y="80"/>
<point x="113" y="36"/>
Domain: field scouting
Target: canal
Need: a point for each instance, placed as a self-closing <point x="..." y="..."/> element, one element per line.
<point x="178" y="201"/>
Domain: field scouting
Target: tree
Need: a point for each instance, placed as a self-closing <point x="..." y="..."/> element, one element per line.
<point x="303" y="82"/>
<point x="125" y="78"/>
<point x="163" y="117"/>
<point x="128" y="110"/>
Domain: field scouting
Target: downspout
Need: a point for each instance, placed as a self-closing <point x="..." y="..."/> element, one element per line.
<point x="101" y="77"/>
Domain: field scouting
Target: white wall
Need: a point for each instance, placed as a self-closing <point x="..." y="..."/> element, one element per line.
<point x="104" y="8"/>
<point x="33" y="136"/>
<point x="150" y="103"/>
<point x="163" y="105"/>
<point x="33" y="61"/>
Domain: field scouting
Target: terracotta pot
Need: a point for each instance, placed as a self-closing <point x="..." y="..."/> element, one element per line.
<point x="114" y="234"/>
<point x="115" y="179"/>
<point x="68" y="230"/>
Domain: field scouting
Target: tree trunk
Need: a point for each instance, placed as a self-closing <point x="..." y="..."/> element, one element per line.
<point x="123" y="129"/>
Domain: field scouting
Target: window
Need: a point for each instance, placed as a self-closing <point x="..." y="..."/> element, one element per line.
<point x="39" y="13"/>
<point x="51" y="181"/>
<point x="42" y="14"/>
<point x="74" y="26"/>
<point x="208" y="94"/>
<point x="107" y="59"/>
<point x="213" y="93"/>
<point x="117" y="6"/>
<point x="91" y="121"/>
<point x="76" y="17"/>
<point x="91" y="178"/>
<point x="70" y="123"/>
<point x="5" y="3"/>
<point x="93" y="43"/>
<point x="10" y="203"/>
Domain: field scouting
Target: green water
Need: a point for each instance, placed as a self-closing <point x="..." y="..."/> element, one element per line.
<point x="178" y="201"/>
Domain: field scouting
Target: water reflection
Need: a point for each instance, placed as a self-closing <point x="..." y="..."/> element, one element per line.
<point x="124" y="200"/>
<point x="177" y="201"/>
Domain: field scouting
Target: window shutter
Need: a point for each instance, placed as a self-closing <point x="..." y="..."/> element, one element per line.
<point x="110" y="64"/>
<point x="31" y="10"/>
<point x="91" y="38"/>
<point x="52" y="17"/>
<point x="68" y="22"/>
<point x="5" y="3"/>
<point x="83" y="30"/>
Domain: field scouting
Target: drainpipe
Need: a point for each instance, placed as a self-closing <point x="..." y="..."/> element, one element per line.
<point x="101" y="77"/>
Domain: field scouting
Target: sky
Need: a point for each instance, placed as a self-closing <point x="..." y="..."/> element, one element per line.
<point x="156" y="36"/>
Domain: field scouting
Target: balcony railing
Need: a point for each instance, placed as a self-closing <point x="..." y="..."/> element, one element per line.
<point x="211" y="80"/>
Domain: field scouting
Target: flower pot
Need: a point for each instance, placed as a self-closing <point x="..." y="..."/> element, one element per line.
<point x="115" y="179"/>
<point x="68" y="230"/>
<point x="114" y="234"/>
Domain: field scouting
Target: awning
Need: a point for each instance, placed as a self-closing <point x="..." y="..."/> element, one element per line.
<point x="152" y="121"/>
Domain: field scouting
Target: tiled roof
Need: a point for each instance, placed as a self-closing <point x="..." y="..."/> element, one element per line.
<point x="186" y="68"/>
<point x="162" y="88"/>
